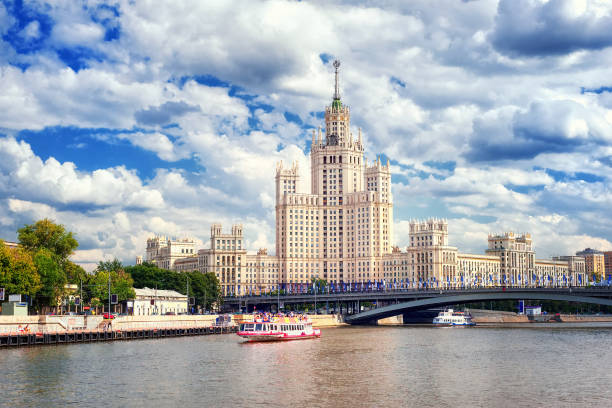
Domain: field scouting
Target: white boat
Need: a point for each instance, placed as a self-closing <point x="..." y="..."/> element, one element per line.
<point x="278" y="328"/>
<point x="451" y="318"/>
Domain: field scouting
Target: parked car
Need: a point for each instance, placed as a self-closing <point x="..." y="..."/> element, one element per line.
<point x="170" y="313"/>
<point x="107" y="315"/>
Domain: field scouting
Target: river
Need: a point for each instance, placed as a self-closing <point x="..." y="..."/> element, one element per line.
<point x="505" y="366"/>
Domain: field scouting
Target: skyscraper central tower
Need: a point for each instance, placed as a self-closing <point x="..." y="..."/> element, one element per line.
<point x="341" y="230"/>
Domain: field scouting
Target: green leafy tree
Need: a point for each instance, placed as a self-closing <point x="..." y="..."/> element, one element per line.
<point x="148" y="275"/>
<point x="48" y="235"/>
<point x="121" y="285"/>
<point x="18" y="274"/>
<point x="110" y="266"/>
<point x="205" y="288"/>
<point x="75" y="273"/>
<point x="52" y="277"/>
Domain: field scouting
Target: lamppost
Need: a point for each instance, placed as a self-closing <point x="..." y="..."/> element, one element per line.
<point x="109" y="294"/>
<point x="315" y="293"/>
<point x="187" y="294"/>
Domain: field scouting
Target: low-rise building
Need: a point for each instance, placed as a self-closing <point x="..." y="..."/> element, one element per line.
<point x="189" y="264"/>
<point x="260" y="273"/>
<point x="478" y="270"/>
<point x="552" y="272"/>
<point x="149" y="302"/>
<point x="10" y="244"/>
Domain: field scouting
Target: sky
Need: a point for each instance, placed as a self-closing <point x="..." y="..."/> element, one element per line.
<point x="122" y="119"/>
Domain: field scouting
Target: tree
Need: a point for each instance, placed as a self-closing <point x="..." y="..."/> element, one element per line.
<point x="52" y="277"/>
<point x="148" y="275"/>
<point x="75" y="273"/>
<point x="48" y="235"/>
<point x="110" y="266"/>
<point x="18" y="274"/>
<point x="122" y="285"/>
<point x="205" y="288"/>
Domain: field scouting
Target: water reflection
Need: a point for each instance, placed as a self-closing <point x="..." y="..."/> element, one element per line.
<point x="547" y="365"/>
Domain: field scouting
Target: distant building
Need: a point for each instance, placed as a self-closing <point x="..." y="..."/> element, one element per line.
<point x="260" y="273"/>
<point x="158" y="302"/>
<point x="163" y="251"/>
<point x="11" y="244"/>
<point x="188" y="264"/>
<point x="533" y="310"/>
<point x="608" y="263"/>
<point x="595" y="262"/>
<point x="139" y="260"/>
<point x="484" y="270"/>
<point x="516" y="254"/>
<point x="429" y="256"/>
<point x="576" y="272"/>
<point x="551" y="273"/>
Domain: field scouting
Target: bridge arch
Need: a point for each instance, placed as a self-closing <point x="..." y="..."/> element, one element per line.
<point x="440" y="301"/>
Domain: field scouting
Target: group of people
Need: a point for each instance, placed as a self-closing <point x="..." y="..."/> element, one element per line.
<point x="273" y="317"/>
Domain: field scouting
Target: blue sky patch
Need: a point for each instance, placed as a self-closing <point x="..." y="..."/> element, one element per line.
<point x="599" y="90"/>
<point x="578" y="176"/>
<point x="292" y="117"/>
<point x="397" y="81"/>
<point x="524" y="189"/>
<point x="325" y="58"/>
<point x="78" y="58"/>
<point x="25" y="15"/>
<point x="447" y="165"/>
<point x="88" y="152"/>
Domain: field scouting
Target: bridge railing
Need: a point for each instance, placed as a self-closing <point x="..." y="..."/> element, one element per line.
<point x="303" y="289"/>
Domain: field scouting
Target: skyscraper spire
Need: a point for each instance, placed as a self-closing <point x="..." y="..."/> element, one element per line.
<point x="337" y="90"/>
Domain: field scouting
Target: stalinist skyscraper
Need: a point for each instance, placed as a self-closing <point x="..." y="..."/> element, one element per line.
<point x="341" y="230"/>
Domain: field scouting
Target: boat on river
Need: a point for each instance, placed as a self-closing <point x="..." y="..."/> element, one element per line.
<point x="450" y="317"/>
<point x="278" y="328"/>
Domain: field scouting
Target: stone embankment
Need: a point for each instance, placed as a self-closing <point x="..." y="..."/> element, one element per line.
<point x="494" y="316"/>
<point x="44" y="330"/>
<point x="56" y="324"/>
<point x="41" y="330"/>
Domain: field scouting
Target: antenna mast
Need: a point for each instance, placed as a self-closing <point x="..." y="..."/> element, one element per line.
<point x="337" y="91"/>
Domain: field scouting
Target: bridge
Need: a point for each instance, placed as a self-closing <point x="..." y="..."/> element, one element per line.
<point x="393" y="303"/>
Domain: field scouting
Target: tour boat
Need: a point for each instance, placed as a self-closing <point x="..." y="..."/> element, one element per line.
<point x="451" y="318"/>
<point x="278" y="328"/>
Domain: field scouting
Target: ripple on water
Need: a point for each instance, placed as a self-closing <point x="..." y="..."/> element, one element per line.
<point x="550" y="365"/>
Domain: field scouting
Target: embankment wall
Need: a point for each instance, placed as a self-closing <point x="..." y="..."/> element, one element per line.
<point x="51" y="324"/>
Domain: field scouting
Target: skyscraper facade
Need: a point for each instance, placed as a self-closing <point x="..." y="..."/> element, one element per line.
<point x="341" y="229"/>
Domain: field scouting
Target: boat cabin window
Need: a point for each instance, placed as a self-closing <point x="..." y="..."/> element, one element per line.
<point x="246" y="327"/>
<point x="258" y="327"/>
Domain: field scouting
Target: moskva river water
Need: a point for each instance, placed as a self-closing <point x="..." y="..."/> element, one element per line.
<point x="553" y="365"/>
